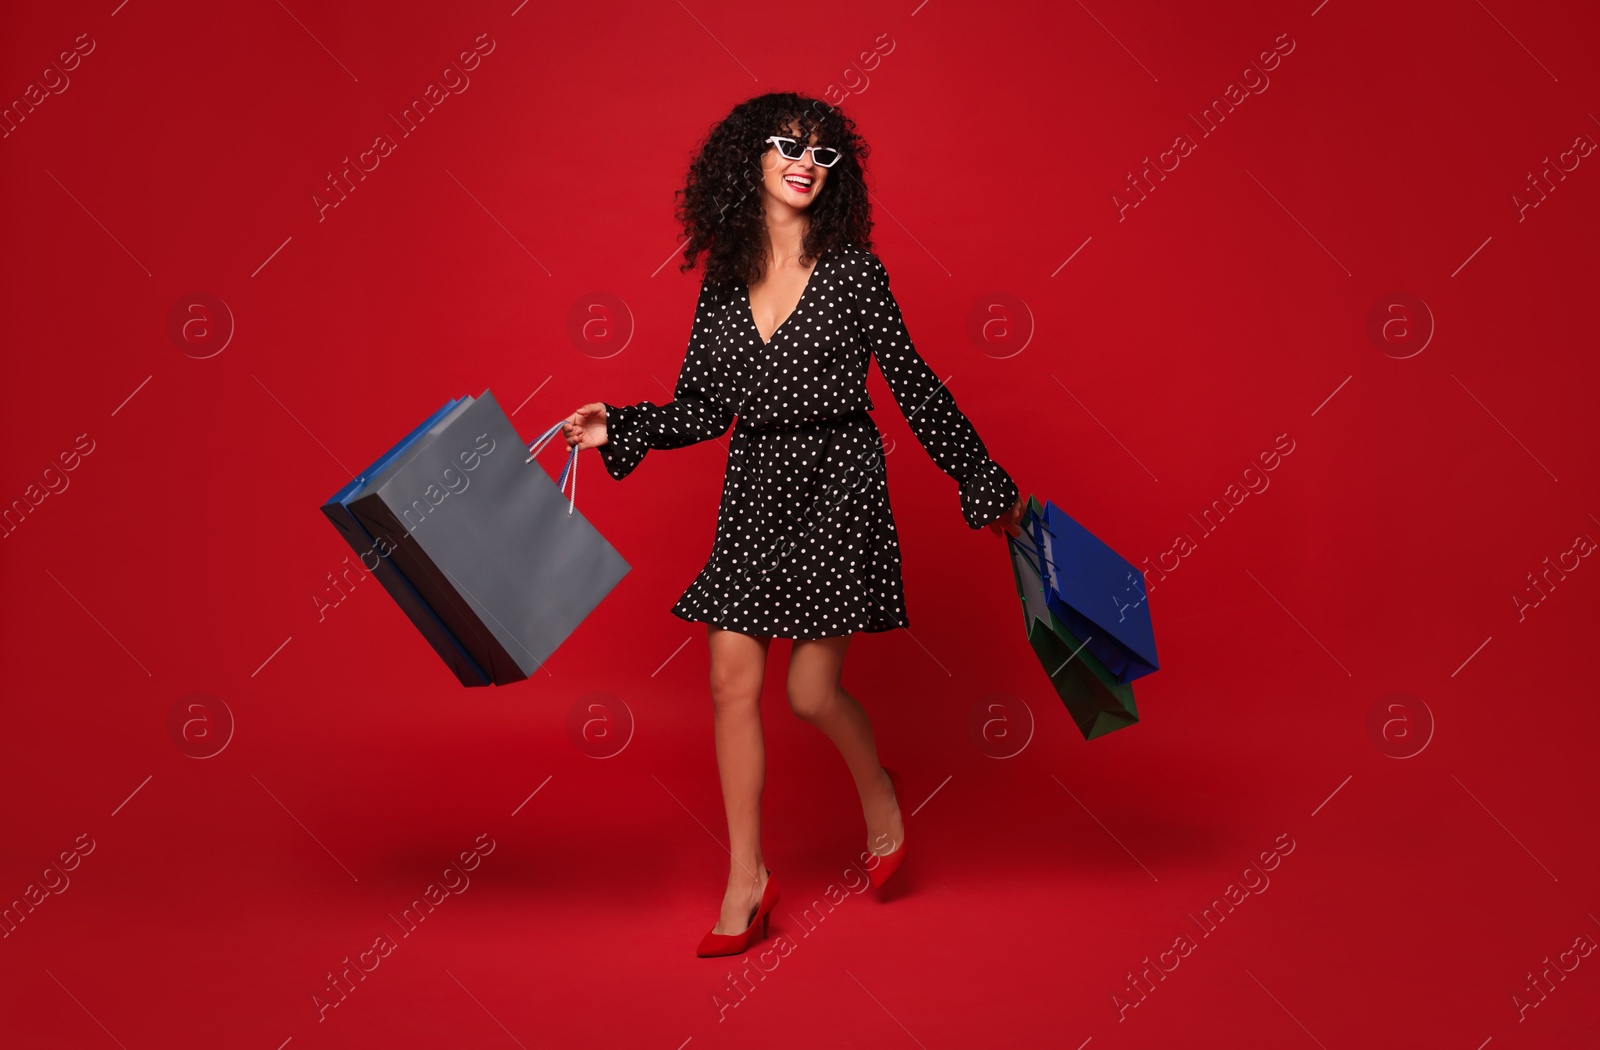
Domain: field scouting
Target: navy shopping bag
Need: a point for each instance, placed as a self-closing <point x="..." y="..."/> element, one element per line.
<point x="1096" y="593"/>
<point x="1097" y="702"/>
<point x="374" y="553"/>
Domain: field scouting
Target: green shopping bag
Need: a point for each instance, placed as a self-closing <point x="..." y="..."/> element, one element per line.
<point x="1097" y="702"/>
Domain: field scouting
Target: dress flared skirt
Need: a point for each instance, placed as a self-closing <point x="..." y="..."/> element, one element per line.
<point x="805" y="543"/>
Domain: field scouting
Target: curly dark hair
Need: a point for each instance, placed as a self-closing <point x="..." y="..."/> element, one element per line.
<point x="720" y="205"/>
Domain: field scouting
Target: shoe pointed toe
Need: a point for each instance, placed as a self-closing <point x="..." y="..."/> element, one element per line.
<point x="715" y="944"/>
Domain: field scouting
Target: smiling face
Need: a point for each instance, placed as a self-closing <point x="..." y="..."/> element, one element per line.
<point x="791" y="183"/>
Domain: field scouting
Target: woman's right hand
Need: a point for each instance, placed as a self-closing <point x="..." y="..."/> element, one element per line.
<point x="586" y="428"/>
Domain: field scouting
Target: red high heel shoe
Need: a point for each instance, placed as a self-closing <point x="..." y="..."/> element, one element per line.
<point x="889" y="863"/>
<point x="714" y="944"/>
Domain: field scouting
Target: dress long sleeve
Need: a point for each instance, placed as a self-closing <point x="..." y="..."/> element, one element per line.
<point x="986" y="490"/>
<point x="700" y="409"/>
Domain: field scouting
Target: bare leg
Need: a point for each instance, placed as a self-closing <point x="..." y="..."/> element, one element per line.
<point x="738" y="666"/>
<point x="816" y="695"/>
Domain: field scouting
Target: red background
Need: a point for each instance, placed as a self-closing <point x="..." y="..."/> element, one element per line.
<point x="1181" y="339"/>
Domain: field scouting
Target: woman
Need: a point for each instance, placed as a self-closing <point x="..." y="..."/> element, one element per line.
<point x="792" y="305"/>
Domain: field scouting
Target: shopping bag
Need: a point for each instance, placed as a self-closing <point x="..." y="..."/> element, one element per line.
<point x="1096" y="593"/>
<point x="488" y="540"/>
<point x="1097" y="702"/>
<point x="373" y="553"/>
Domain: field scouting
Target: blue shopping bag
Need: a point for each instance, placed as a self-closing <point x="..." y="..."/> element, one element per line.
<point x="1096" y="593"/>
<point x="1097" y="702"/>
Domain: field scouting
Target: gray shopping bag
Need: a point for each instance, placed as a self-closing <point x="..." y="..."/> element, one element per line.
<point x="490" y="542"/>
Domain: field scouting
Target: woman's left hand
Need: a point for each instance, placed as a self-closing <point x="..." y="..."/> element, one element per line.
<point x="1011" y="520"/>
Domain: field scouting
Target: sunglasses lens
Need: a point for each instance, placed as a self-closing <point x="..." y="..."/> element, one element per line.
<point x="789" y="148"/>
<point x="825" y="158"/>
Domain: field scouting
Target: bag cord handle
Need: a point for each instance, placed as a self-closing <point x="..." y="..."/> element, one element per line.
<point x="1037" y="548"/>
<point x="569" y="468"/>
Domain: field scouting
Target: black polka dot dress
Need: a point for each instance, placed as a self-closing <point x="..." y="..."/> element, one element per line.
<point x="805" y="543"/>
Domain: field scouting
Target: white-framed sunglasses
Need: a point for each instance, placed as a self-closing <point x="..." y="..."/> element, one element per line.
<point x="790" y="149"/>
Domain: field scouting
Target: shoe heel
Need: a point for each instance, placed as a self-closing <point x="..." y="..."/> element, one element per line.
<point x="885" y="865"/>
<point x="718" y="944"/>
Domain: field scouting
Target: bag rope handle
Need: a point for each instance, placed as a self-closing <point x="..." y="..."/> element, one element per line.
<point x="569" y="468"/>
<point x="1037" y="548"/>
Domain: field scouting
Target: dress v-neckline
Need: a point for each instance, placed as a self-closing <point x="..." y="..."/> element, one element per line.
<point x="750" y="307"/>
